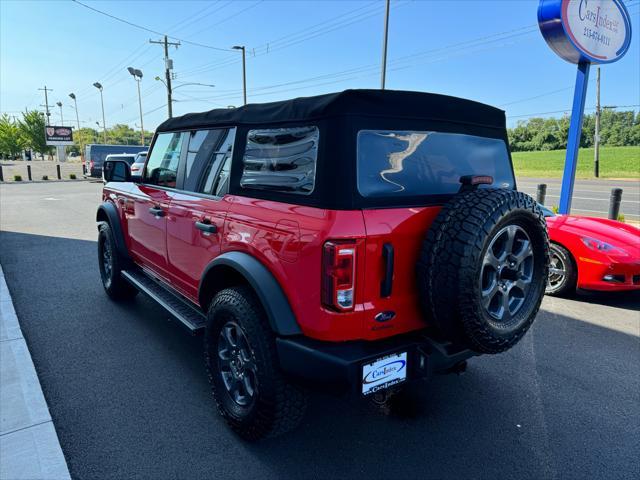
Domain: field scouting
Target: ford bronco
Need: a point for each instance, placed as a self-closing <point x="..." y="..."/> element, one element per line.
<point x="355" y="241"/>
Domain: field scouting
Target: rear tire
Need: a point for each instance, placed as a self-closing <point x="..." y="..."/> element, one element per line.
<point x="563" y="274"/>
<point x="483" y="268"/>
<point x="250" y="390"/>
<point x="110" y="263"/>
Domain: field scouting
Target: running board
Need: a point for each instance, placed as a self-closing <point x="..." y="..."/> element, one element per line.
<point x="188" y="315"/>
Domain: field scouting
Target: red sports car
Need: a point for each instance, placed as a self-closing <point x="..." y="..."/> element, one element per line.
<point x="592" y="254"/>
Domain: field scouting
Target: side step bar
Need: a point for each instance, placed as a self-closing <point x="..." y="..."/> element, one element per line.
<point x="188" y="315"/>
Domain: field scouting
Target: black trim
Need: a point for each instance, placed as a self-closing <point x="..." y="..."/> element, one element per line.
<point x="339" y="364"/>
<point x="387" y="257"/>
<point x="113" y="219"/>
<point x="274" y="301"/>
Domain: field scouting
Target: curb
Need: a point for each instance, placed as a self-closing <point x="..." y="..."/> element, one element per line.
<point x="29" y="446"/>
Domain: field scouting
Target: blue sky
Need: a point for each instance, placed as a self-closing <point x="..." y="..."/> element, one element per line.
<point x="486" y="50"/>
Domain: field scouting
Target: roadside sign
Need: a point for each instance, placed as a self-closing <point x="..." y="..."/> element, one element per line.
<point x="582" y="32"/>
<point x="58" y="135"/>
<point x="594" y="31"/>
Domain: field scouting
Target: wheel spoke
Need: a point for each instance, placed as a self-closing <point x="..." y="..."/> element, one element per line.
<point x="511" y="237"/>
<point x="491" y="260"/>
<point x="506" y="312"/>
<point x="557" y="271"/>
<point x="229" y="335"/>
<point x="525" y="252"/>
<point x="487" y="295"/>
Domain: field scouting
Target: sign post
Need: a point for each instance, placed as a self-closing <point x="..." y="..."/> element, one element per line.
<point x="582" y="32"/>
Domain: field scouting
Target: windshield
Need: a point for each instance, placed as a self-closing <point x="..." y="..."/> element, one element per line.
<point x="126" y="158"/>
<point x="409" y="163"/>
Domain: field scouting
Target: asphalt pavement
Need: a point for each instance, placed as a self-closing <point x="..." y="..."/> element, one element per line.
<point x="128" y="393"/>
<point x="590" y="197"/>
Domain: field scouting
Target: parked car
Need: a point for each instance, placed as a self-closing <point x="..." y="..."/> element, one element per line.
<point x="354" y="241"/>
<point x="592" y="254"/>
<point x="138" y="163"/>
<point x="95" y="155"/>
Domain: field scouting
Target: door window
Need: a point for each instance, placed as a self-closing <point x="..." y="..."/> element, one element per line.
<point x="208" y="154"/>
<point x="162" y="166"/>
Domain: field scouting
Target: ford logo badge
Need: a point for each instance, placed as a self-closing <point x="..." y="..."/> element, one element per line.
<point x="385" y="316"/>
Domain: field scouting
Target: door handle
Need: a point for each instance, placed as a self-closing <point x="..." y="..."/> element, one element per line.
<point x="157" y="211"/>
<point x="206" y="227"/>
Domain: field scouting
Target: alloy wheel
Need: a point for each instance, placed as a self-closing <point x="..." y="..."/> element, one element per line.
<point x="506" y="273"/>
<point x="237" y="365"/>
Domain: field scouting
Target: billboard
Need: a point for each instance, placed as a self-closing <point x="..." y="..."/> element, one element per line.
<point x="58" y="135"/>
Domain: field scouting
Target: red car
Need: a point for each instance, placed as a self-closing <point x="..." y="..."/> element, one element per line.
<point x="592" y="254"/>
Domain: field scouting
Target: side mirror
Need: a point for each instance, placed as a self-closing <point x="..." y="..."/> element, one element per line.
<point x="116" y="171"/>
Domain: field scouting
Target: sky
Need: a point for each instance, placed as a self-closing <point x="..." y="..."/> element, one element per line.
<point x="486" y="50"/>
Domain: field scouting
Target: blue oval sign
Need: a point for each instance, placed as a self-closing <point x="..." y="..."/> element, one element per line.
<point x="594" y="31"/>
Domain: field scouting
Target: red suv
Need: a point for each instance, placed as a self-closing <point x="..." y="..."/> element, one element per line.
<point x="354" y="241"/>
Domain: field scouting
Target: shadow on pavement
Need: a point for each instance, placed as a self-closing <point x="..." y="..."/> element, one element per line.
<point x="628" y="300"/>
<point x="129" y="397"/>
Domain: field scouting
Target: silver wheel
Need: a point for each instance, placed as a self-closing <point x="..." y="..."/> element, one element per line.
<point x="557" y="271"/>
<point x="237" y="365"/>
<point x="506" y="273"/>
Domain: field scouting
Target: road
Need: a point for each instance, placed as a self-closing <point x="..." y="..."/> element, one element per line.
<point x="128" y="394"/>
<point x="590" y="197"/>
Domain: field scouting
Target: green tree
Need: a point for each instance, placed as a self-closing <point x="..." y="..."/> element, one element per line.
<point x="11" y="140"/>
<point x="32" y="127"/>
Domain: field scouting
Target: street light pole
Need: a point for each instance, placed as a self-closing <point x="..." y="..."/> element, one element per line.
<point x="98" y="85"/>
<point x="244" y="71"/>
<point x="384" y="46"/>
<point x="137" y="76"/>
<point x="61" y="117"/>
<point x="596" y="142"/>
<point x="75" y="103"/>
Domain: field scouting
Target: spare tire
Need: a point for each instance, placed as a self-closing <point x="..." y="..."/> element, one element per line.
<point x="483" y="268"/>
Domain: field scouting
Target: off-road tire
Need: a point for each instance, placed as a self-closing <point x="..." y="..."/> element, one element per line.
<point x="567" y="286"/>
<point x="116" y="287"/>
<point x="279" y="405"/>
<point x="451" y="262"/>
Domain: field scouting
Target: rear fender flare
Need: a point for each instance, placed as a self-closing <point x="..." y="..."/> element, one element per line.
<point x="281" y="317"/>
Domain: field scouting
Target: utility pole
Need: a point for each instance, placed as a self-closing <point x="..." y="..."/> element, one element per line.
<point x="46" y="102"/>
<point x="596" y="140"/>
<point x="384" y="46"/>
<point x="168" y="66"/>
<point x="75" y="102"/>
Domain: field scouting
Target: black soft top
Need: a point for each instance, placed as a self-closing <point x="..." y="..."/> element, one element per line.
<point x="361" y="103"/>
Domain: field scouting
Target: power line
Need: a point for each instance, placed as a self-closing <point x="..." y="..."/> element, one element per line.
<point x="146" y="29"/>
<point x="568" y="109"/>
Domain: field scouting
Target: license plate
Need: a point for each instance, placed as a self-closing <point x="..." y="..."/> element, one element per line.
<point x="384" y="372"/>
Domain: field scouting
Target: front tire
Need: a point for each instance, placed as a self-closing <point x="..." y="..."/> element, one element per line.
<point x="110" y="263"/>
<point x="250" y="391"/>
<point x="563" y="274"/>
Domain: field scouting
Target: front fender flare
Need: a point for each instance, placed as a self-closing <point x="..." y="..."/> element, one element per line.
<point x="273" y="299"/>
<point x="109" y="213"/>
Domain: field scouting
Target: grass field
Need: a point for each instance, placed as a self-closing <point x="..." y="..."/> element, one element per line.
<point x="615" y="162"/>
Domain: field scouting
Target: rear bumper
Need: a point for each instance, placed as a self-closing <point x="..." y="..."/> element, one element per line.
<point x="339" y="365"/>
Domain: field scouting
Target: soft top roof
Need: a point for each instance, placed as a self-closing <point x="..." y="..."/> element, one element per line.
<point x="367" y="103"/>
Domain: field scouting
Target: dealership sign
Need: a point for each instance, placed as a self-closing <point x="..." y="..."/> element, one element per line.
<point x="585" y="32"/>
<point x="594" y="31"/>
<point x="58" y="135"/>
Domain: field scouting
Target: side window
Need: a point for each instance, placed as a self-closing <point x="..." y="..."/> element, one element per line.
<point x="281" y="159"/>
<point x="162" y="166"/>
<point x="208" y="152"/>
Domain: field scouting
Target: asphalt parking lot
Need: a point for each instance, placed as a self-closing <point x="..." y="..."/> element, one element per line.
<point x="129" y="397"/>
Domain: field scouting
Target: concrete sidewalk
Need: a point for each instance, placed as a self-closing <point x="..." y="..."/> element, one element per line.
<point x="29" y="447"/>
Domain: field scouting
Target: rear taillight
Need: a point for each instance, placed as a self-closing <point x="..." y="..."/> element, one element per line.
<point x="338" y="275"/>
<point x="91" y="164"/>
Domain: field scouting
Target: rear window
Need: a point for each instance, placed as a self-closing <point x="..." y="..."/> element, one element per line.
<point x="281" y="159"/>
<point x="410" y="163"/>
